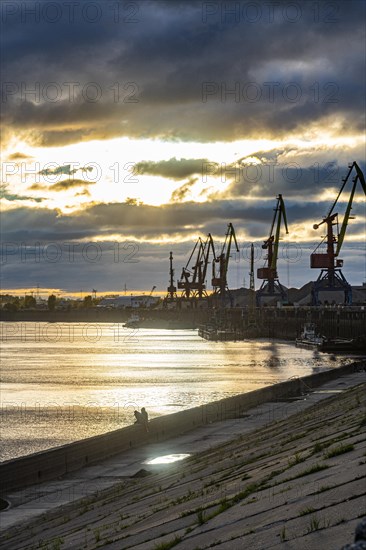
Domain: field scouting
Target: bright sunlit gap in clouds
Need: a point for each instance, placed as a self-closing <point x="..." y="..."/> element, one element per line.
<point x="113" y="177"/>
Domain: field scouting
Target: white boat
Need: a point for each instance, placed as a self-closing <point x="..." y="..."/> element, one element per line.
<point x="133" y="321"/>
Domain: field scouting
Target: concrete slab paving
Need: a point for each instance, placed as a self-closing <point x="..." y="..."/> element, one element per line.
<point x="218" y="458"/>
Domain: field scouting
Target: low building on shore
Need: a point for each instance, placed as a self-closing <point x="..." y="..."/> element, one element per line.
<point x="134" y="301"/>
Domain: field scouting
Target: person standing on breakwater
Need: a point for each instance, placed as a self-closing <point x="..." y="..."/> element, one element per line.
<point x="141" y="418"/>
<point x="145" y="418"/>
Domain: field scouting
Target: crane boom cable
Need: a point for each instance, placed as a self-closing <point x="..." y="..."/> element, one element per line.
<point x="231" y="235"/>
<point x="342" y="232"/>
<point x="194" y="248"/>
<point x="341" y="189"/>
<point x="276" y="241"/>
<point x="210" y="245"/>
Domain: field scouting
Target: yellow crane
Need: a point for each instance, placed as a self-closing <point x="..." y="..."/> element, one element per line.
<point x="271" y="285"/>
<point x="331" y="276"/>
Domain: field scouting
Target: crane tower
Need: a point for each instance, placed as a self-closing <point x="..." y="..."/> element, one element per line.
<point x="331" y="277"/>
<point x="271" y="286"/>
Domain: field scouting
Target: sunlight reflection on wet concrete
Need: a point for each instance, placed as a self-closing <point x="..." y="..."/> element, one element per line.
<point x="167" y="459"/>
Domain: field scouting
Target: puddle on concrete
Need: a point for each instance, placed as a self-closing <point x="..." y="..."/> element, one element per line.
<point x="328" y="391"/>
<point x="167" y="459"/>
<point x="291" y="399"/>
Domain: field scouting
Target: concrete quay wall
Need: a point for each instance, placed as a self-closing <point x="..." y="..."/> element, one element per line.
<point x="51" y="464"/>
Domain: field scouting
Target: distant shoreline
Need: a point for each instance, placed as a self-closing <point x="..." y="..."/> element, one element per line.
<point x="269" y="322"/>
<point x="150" y="318"/>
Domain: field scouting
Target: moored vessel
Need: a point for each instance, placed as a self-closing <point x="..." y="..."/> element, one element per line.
<point x="309" y="338"/>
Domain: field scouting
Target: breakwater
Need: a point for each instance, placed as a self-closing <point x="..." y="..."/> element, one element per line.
<point x="48" y="465"/>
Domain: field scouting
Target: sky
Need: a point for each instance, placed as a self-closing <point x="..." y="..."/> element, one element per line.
<point x="130" y="129"/>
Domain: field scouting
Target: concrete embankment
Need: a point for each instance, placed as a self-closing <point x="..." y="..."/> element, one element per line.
<point x="48" y="465"/>
<point x="286" y="474"/>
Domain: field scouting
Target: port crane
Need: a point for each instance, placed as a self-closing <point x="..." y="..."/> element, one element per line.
<point x="251" y="317"/>
<point x="193" y="280"/>
<point x="271" y="285"/>
<point x="185" y="284"/>
<point x="209" y="246"/>
<point x="171" y="290"/>
<point x="219" y="278"/>
<point x="331" y="276"/>
<point x="251" y="273"/>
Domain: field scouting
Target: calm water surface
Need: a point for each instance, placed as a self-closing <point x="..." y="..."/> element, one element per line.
<point x="66" y="381"/>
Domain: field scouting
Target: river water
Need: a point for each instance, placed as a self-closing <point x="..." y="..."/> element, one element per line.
<point x="61" y="382"/>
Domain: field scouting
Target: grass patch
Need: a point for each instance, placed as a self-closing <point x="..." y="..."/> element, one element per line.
<point x="224" y="505"/>
<point x="296" y="459"/>
<point x="318" y="447"/>
<point x="274" y="474"/>
<point x="312" y="470"/>
<point x="339" y="450"/>
<point x="168" y="545"/>
<point x="243" y="494"/>
<point x="97" y="535"/>
<point x="363" y="421"/>
<point x="294" y="437"/>
<point x="307" y="511"/>
<point x="315" y="524"/>
<point x="56" y="543"/>
<point x="201" y="518"/>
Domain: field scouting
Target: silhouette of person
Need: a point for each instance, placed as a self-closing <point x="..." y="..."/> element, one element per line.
<point x="139" y="417"/>
<point x="145" y="417"/>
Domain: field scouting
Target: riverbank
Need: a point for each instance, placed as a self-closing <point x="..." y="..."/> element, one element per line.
<point x="287" y="473"/>
<point x="150" y="318"/>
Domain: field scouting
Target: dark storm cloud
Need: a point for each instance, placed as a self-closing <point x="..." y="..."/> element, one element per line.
<point x="289" y="172"/>
<point x="69" y="256"/>
<point x="173" y="54"/>
<point x="148" y="222"/>
<point x="64" y="184"/>
<point x="183" y="191"/>
<point x="4" y="194"/>
<point x="176" y="169"/>
<point x="68" y="184"/>
<point x="66" y="169"/>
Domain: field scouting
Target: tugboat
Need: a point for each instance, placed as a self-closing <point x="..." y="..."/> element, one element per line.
<point x="208" y="332"/>
<point x="309" y="339"/>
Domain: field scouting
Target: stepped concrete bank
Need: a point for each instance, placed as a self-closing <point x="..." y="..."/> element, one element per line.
<point x="48" y="465"/>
